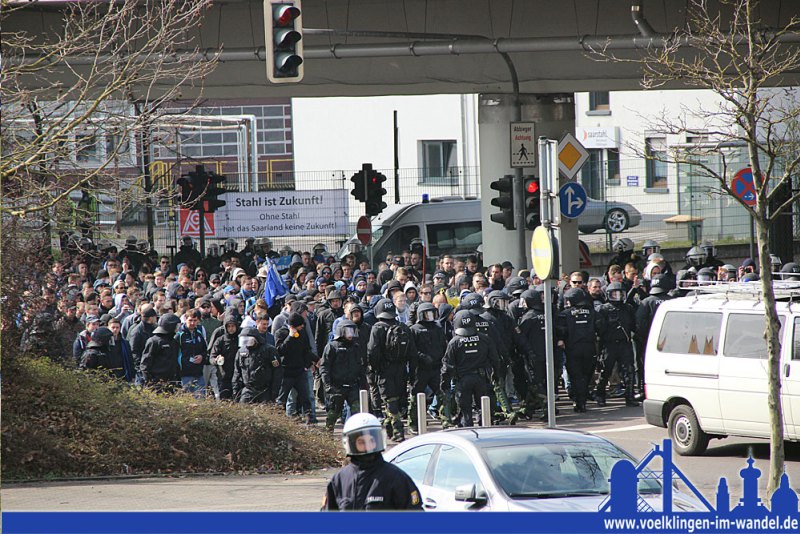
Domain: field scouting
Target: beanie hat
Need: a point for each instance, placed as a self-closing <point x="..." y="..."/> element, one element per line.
<point x="295" y="319"/>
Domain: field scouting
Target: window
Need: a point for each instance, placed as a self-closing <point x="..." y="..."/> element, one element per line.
<point x="690" y="333"/>
<point x="656" y="154"/>
<point x="439" y="162"/>
<point x="599" y="101"/>
<point x="744" y="337"/>
<point x="398" y="241"/>
<point x="87" y="149"/>
<point x="454" y="238"/>
<point x="796" y="340"/>
<point x="454" y="469"/>
<point x="415" y="462"/>
<point x="612" y="155"/>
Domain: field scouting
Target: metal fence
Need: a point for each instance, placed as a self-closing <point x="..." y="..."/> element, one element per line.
<point x="169" y="222"/>
<point x="674" y="204"/>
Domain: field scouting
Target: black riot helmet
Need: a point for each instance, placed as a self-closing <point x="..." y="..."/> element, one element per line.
<point x="615" y="292"/>
<point x="498" y="300"/>
<point x="576" y="298"/>
<point x="426" y="313"/>
<point x="706" y="275"/>
<point x="464" y="321"/>
<point x="516" y="285"/>
<point x="346" y="330"/>
<point x="532" y="299"/>
<point x="385" y="309"/>
<point x="472" y="302"/>
<point x="661" y="283"/>
<point x="167" y="324"/>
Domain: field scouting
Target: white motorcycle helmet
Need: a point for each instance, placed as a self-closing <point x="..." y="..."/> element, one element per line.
<point x="362" y="434"/>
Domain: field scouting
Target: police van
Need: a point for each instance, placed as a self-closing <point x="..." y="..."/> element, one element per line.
<point x="449" y="225"/>
<point x="706" y="365"/>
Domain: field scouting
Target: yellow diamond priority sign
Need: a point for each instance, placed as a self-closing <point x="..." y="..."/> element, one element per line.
<point x="571" y="156"/>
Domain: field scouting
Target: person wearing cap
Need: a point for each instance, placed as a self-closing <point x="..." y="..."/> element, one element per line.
<point x="369" y="482"/>
<point x="138" y="336"/>
<point x="159" y="365"/>
<point x="79" y="346"/>
<point x="295" y="356"/>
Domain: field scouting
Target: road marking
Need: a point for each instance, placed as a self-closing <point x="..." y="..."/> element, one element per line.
<point x="623" y="429"/>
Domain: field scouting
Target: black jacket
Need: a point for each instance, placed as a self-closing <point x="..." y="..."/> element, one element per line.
<point x="137" y="337"/>
<point x="468" y="355"/>
<point x="371" y="483"/>
<point x="225" y="345"/>
<point x="341" y="365"/>
<point x="252" y="373"/>
<point x="325" y="318"/>
<point x="376" y="348"/>
<point x="295" y="352"/>
<point x="160" y="358"/>
<point x="430" y="343"/>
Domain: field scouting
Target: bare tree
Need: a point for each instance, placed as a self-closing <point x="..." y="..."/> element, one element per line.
<point x="725" y="47"/>
<point x="82" y="82"/>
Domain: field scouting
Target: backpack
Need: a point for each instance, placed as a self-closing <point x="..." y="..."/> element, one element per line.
<point x="398" y="338"/>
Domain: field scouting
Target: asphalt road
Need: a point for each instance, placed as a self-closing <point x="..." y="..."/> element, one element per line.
<point x="302" y="492"/>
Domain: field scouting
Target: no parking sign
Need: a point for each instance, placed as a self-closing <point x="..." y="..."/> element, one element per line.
<point x="744" y="186"/>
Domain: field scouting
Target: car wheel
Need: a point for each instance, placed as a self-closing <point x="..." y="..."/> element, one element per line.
<point x="617" y="220"/>
<point x="688" y="439"/>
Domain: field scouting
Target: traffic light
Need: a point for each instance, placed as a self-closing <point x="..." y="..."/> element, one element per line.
<point x="374" y="193"/>
<point x="193" y="186"/>
<point x="283" y="40"/>
<point x="504" y="201"/>
<point x="359" y="186"/>
<point x="533" y="206"/>
<point x="216" y="188"/>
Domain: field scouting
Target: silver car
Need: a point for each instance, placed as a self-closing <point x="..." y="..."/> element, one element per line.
<point x="610" y="215"/>
<point x="518" y="469"/>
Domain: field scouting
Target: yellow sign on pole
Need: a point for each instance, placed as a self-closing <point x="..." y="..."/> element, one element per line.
<point x="543" y="253"/>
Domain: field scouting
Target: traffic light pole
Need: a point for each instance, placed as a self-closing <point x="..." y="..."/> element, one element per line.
<point x="201" y="211"/>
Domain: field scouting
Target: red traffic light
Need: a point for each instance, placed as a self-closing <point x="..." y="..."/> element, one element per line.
<point x="532" y="187"/>
<point x="285" y="15"/>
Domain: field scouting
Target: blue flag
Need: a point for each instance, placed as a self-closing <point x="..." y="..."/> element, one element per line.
<point x="273" y="286"/>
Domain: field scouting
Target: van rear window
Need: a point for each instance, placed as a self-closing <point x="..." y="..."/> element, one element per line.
<point x="690" y="333"/>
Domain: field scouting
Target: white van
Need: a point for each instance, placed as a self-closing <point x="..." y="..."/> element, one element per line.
<point x="446" y="226"/>
<point x="706" y="366"/>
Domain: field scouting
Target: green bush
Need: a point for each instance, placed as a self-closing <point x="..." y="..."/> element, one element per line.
<point x="60" y="423"/>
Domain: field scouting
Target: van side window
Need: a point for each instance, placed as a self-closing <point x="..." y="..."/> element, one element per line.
<point x="690" y="333"/>
<point x="796" y="340"/>
<point x="454" y="238"/>
<point x="744" y="336"/>
<point x="399" y="241"/>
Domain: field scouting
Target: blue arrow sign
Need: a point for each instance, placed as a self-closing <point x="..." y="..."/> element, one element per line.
<point x="572" y="197"/>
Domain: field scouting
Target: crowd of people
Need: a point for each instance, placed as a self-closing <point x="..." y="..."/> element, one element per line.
<point x="229" y="325"/>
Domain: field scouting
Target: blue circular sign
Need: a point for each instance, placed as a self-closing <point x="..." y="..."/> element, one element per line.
<point x="572" y="197"/>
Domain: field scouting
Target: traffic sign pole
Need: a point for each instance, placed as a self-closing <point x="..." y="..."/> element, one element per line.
<point x="547" y="156"/>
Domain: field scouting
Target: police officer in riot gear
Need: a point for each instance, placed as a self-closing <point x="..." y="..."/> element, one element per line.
<point x="660" y="286"/>
<point x="575" y="329"/>
<point x="342" y="371"/>
<point x="695" y="257"/>
<point x="187" y="253"/>
<point x="470" y="360"/>
<point x="426" y="365"/>
<point x="532" y="329"/>
<point x="616" y="326"/>
<point x="513" y="347"/>
<point x="391" y="345"/>
<point x="650" y="246"/>
<point x="514" y="287"/>
<point x="474" y="303"/>
<point x="368" y="482"/>
<point x="623" y="247"/>
<point x="711" y="259"/>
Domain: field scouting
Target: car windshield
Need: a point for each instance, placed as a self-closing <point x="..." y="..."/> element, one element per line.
<point x="545" y="470"/>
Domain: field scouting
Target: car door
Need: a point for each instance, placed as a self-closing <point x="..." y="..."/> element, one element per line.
<point x="790" y="390"/>
<point x="415" y="463"/>
<point x="453" y="467"/>
<point x="743" y="378"/>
